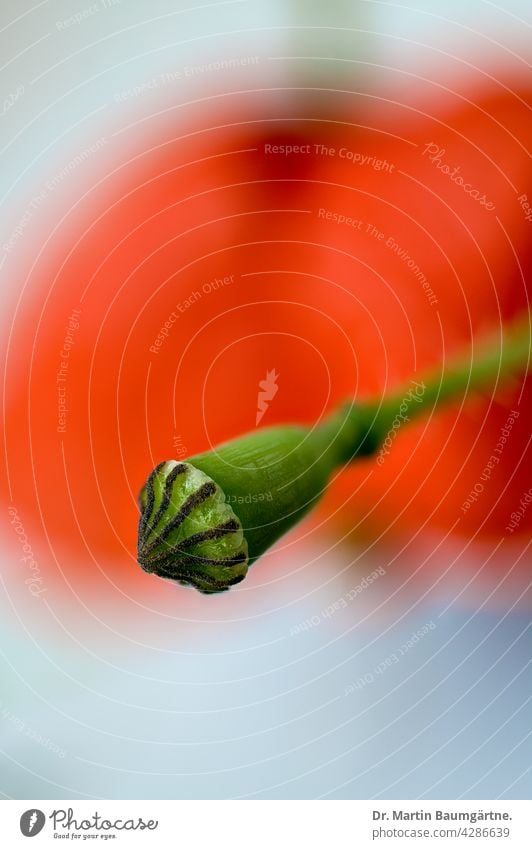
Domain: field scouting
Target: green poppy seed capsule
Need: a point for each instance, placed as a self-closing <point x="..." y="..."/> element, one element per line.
<point x="204" y="521"/>
<point x="187" y="532"/>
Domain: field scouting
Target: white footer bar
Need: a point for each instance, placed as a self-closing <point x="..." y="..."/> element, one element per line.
<point x="267" y="824"/>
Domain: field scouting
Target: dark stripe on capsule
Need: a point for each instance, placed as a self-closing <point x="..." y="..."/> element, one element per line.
<point x="194" y="500"/>
<point x="165" y="500"/>
<point x="212" y="533"/>
<point x="150" y="498"/>
<point x="224" y="562"/>
<point x="187" y="562"/>
<point x="203" y="583"/>
<point x="180" y="547"/>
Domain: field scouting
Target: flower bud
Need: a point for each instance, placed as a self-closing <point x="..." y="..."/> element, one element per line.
<point x="206" y="520"/>
<point x="187" y="532"/>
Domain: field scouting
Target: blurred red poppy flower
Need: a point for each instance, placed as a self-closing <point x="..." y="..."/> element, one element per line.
<point x="344" y="247"/>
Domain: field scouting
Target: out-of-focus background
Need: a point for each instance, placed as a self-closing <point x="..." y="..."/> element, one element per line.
<point x="194" y="196"/>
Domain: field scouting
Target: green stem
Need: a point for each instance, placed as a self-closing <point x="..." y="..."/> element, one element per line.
<point x="204" y="521"/>
<point x="359" y="429"/>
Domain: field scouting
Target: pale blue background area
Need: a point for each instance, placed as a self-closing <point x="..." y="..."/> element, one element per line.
<point x="237" y="705"/>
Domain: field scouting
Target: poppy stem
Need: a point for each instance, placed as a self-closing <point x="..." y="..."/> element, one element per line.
<point x="204" y="521"/>
<point x="497" y="360"/>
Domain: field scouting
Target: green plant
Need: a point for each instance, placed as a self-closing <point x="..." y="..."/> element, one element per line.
<point x="205" y="521"/>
